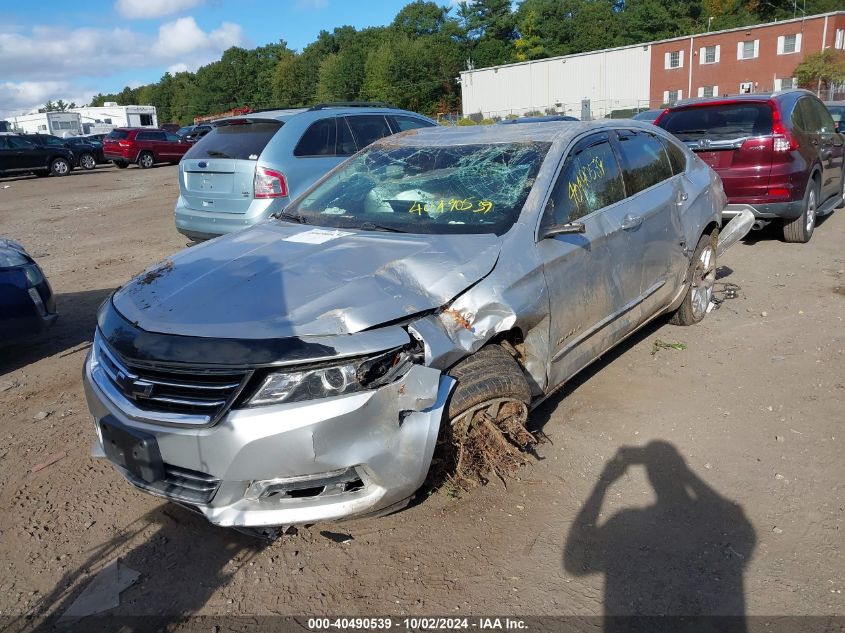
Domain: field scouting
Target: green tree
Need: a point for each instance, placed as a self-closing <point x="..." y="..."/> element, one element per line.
<point x="340" y="76"/>
<point x="821" y="70"/>
<point x="420" y="18"/>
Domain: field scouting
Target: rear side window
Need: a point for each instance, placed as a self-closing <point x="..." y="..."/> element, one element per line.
<point x="644" y="161"/>
<point x="242" y="139"/>
<point x="367" y="128"/>
<point x="318" y="140"/>
<point x="805" y="117"/>
<point x="719" y="122"/>
<point x="150" y="136"/>
<point x="345" y="143"/>
<point x="590" y="180"/>
<point x="826" y="121"/>
<point x="677" y="157"/>
<point x="403" y="123"/>
<point x="171" y="137"/>
<point x="16" y="142"/>
<point x="117" y="135"/>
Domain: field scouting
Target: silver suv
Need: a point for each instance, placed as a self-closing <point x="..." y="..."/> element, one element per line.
<point x="249" y="167"/>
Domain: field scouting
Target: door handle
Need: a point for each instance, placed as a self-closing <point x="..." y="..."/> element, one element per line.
<point x="631" y="222"/>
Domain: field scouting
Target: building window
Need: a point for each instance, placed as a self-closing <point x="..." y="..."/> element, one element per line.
<point x="840" y="39"/>
<point x="42" y="127"/>
<point x="787" y="83"/>
<point x="671" y="97"/>
<point x="708" y="91"/>
<point x="146" y="120"/>
<point x="675" y="59"/>
<point x="788" y="44"/>
<point x="106" y="121"/>
<point x="709" y="54"/>
<point x="748" y="49"/>
<point x="746" y="87"/>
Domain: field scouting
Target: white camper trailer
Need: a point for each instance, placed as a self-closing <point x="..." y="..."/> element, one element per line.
<point x="110" y="115"/>
<point x="61" y="124"/>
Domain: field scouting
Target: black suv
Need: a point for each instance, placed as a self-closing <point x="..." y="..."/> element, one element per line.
<point x="20" y="155"/>
<point x="84" y="153"/>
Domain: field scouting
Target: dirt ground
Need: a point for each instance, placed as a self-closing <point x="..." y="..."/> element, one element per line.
<point x="727" y="497"/>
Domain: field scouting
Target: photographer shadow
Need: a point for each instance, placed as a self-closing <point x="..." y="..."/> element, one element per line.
<point x="681" y="558"/>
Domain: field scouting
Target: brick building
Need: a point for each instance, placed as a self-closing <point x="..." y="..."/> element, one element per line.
<point x="750" y="59"/>
<point x="755" y="58"/>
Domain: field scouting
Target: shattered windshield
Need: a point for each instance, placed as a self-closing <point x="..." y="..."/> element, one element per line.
<point x="431" y="189"/>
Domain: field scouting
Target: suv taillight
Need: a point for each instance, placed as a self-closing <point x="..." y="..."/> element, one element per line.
<point x="269" y="183"/>
<point x="782" y="139"/>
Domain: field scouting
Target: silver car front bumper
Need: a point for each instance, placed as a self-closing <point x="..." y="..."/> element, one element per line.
<point x="384" y="437"/>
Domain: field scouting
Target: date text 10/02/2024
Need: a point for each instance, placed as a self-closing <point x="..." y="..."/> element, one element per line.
<point x="417" y="624"/>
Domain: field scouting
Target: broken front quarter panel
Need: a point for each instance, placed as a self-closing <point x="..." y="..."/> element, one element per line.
<point x="513" y="297"/>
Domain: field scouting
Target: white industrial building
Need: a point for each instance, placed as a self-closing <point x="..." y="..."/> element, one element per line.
<point x="110" y="115"/>
<point x="585" y="85"/>
<point x="59" y="123"/>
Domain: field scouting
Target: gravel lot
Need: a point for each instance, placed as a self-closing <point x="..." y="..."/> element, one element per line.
<point x="735" y="505"/>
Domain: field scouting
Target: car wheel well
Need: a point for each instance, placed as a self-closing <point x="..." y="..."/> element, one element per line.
<point x="712" y="226"/>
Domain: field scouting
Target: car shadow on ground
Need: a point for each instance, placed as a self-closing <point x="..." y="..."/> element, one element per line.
<point x="682" y="558"/>
<point x="774" y="231"/>
<point x="182" y="562"/>
<point x="72" y="330"/>
<point x="540" y="416"/>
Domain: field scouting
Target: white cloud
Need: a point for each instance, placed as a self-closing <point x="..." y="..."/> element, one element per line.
<point x="44" y="63"/>
<point x="28" y="96"/>
<point x="149" y="9"/>
<point x="184" y="36"/>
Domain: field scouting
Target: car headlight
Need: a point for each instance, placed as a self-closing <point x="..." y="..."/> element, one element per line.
<point x="33" y="274"/>
<point x="298" y="384"/>
<point x="10" y="258"/>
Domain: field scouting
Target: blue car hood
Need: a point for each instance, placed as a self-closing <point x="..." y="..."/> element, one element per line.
<point x="280" y="280"/>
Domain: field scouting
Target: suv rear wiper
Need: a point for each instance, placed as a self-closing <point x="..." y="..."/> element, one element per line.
<point x="215" y="153"/>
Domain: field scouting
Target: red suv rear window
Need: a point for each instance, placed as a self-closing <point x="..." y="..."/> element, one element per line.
<point x="719" y="122"/>
<point x="117" y="135"/>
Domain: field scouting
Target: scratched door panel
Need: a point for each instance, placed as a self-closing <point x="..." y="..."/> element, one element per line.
<point x="591" y="276"/>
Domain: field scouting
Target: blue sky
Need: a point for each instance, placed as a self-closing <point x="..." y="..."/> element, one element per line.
<point x="71" y="51"/>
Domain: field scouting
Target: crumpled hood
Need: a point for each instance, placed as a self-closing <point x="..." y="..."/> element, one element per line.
<point x="281" y="280"/>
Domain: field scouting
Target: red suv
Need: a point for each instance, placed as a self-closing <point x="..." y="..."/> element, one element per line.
<point x="778" y="153"/>
<point x="145" y="146"/>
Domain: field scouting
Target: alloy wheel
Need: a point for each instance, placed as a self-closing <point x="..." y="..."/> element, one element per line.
<point x="703" y="280"/>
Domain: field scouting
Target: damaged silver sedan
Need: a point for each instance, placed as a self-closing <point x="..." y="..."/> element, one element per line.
<point x="303" y="369"/>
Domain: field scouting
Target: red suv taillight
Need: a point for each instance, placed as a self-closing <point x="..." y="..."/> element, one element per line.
<point x="782" y="139"/>
<point x="269" y="183"/>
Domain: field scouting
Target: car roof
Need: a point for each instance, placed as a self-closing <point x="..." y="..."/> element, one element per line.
<point x="539" y="119"/>
<point x="750" y="97"/>
<point x="489" y="134"/>
<point x="285" y="114"/>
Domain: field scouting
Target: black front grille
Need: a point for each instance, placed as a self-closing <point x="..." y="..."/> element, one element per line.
<point x="204" y="394"/>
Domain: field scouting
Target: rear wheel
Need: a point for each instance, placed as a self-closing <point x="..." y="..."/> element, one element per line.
<point x="146" y="160"/>
<point x="800" y="230"/>
<point x="59" y="167"/>
<point x="87" y="161"/>
<point x="702" y="277"/>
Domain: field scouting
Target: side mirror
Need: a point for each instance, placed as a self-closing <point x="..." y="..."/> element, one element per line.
<point x="563" y="229"/>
